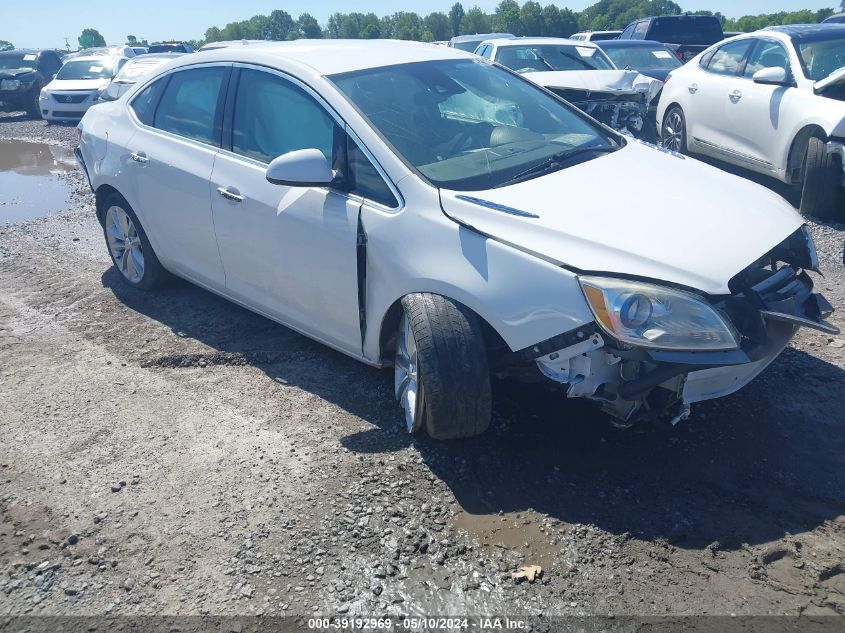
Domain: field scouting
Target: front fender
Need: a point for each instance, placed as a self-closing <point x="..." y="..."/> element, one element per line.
<point x="526" y="300"/>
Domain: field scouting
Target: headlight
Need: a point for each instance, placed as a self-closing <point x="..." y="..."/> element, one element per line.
<point x="43" y="94"/>
<point x="10" y="84"/>
<point x="656" y="317"/>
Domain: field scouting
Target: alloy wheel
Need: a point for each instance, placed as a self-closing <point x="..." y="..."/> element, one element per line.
<point x="406" y="374"/>
<point x="124" y="244"/>
<point x="673" y="132"/>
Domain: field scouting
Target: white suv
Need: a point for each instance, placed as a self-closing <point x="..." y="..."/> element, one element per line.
<point x="770" y="101"/>
<point x="413" y="206"/>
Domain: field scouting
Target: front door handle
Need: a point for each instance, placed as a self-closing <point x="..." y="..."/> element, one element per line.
<point x="230" y="194"/>
<point x="693" y="88"/>
<point x="139" y="157"/>
<point x="735" y="96"/>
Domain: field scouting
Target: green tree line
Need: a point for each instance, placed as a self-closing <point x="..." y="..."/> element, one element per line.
<point x="529" y="18"/>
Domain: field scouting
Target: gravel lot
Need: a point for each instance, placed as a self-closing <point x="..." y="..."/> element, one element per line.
<point x="171" y="453"/>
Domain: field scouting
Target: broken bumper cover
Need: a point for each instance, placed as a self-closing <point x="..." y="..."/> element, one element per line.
<point x="767" y="307"/>
<point x="81" y="161"/>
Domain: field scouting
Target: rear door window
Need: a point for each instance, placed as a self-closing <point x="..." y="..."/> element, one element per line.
<point x="729" y="59"/>
<point x="191" y="104"/>
<point x="144" y="104"/>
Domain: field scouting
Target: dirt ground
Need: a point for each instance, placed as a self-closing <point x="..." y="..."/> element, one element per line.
<point x="171" y="453"/>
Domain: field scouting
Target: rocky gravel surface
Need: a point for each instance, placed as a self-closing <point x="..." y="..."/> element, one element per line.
<point x="171" y="453"/>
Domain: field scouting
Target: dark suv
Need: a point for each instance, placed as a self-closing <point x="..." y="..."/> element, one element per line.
<point x="170" y="47"/>
<point x="23" y="73"/>
<point x="684" y="35"/>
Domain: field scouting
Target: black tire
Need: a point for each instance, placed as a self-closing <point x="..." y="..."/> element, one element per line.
<point x="820" y="191"/>
<point x="673" y="131"/>
<point x="154" y="274"/>
<point x="33" y="106"/>
<point x="455" y="399"/>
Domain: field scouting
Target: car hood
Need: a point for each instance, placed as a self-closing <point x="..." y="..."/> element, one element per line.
<point x="638" y="211"/>
<point x="78" y="84"/>
<point x="21" y="73"/>
<point x="835" y="78"/>
<point x="612" y="81"/>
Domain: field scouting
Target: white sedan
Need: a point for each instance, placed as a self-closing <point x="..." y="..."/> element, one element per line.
<point x="416" y="207"/>
<point x="770" y="101"/>
<point x="78" y="85"/>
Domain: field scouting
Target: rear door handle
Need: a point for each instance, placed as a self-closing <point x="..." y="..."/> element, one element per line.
<point x="230" y="194"/>
<point x="693" y="88"/>
<point x="735" y="96"/>
<point x="139" y="157"/>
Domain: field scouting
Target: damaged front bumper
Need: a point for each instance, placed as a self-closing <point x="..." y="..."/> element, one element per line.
<point x="768" y="304"/>
<point x="626" y="112"/>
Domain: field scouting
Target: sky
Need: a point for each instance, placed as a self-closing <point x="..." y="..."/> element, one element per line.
<point x="48" y="22"/>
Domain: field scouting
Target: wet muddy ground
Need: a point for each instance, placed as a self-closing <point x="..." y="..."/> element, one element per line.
<point x="171" y="453"/>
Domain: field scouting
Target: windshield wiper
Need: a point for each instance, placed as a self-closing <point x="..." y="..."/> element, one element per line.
<point x="544" y="61"/>
<point x="555" y="162"/>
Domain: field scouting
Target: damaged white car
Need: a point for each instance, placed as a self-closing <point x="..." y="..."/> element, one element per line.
<point x="584" y="75"/>
<point x="416" y="207"/>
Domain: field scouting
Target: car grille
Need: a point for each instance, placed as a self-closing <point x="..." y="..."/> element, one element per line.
<point x="71" y="98"/>
<point x="68" y="114"/>
<point x="786" y="290"/>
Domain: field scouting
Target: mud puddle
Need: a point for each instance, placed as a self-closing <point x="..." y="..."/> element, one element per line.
<point x="30" y="182"/>
<point x="525" y="531"/>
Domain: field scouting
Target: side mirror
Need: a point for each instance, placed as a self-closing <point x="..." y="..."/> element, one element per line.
<point x="300" y="168"/>
<point x="774" y="76"/>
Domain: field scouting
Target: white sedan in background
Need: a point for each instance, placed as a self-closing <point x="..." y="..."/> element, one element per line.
<point x="78" y="85"/>
<point x="770" y="101"/>
<point x="416" y="207"/>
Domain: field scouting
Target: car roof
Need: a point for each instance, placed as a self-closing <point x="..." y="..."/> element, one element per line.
<point x="29" y="51"/>
<point x="808" y="32"/>
<point x="537" y="41"/>
<point x="629" y="43"/>
<point x="480" y="36"/>
<point x="329" y="57"/>
<point x="95" y="58"/>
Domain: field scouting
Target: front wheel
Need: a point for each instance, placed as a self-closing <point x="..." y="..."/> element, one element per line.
<point x="130" y="250"/>
<point x="441" y="376"/>
<point x="673" y="134"/>
<point x="820" y="191"/>
<point x="33" y="106"/>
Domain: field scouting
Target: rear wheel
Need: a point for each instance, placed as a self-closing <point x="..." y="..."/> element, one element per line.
<point x="673" y="135"/>
<point x="130" y="250"/>
<point x="441" y="376"/>
<point x="820" y="191"/>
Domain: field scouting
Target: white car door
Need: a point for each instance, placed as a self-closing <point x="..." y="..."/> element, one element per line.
<point x="757" y="112"/>
<point x="290" y="252"/>
<point x="711" y="92"/>
<point x="172" y="156"/>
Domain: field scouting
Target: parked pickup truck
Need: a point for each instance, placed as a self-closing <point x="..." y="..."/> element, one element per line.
<point x="684" y="35"/>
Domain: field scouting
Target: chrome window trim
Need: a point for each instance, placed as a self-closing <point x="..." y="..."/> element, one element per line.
<point x="171" y="135"/>
<point x="341" y="123"/>
<point x="257" y="163"/>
